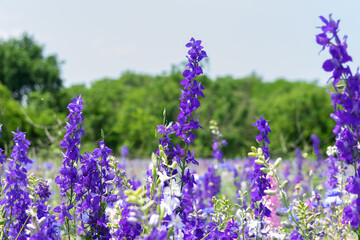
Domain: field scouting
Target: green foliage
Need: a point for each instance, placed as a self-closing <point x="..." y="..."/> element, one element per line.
<point x="129" y="108"/>
<point x="10" y="115"/>
<point x="24" y="68"/>
<point x="296" y="110"/>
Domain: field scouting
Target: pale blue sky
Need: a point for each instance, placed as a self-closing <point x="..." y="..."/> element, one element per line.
<point x="105" y="38"/>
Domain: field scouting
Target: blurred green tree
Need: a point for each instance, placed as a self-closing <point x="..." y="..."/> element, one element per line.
<point x="24" y="68"/>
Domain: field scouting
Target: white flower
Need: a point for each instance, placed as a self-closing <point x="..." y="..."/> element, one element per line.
<point x="254" y="227"/>
<point x="154" y="220"/>
<point x="162" y="177"/>
<point x="173" y="189"/>
<point x="331" y="150"/>
<point x="111" y="213"/>
<point x="176" y="222"/>
<point x="332" y="201"/>
<point x="179" y="235"/>
<point x="169" y="203"/>
<point x="277" y="235"/>
<point x="243" y="186"/>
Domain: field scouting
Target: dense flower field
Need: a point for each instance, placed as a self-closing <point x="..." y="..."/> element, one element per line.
<point x="177" y="196"/>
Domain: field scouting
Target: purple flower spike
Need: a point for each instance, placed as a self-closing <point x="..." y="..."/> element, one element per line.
<point x="346" y="101"/>
<point x="64" y="212"/>
<point x="316" y="145"/>
<point x="352" y="213"/>
<point x="183" y="128"/>
<point x="260" y="182"/>
<point x="264" y="128"/>
<point x="68" y="174"/>
<point x="16" y="194"/>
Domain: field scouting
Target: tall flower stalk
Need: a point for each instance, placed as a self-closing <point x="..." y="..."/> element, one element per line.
<point x="68" y="176"/>
<point x="175" y="160"/>
<point x="94" y="192"/>
<point x="186" y="122"/>
<point x="16" y="194"/>
<point x="41" y="225"/>
<point x="346" y="101"/>
<point x="260" y="182"/>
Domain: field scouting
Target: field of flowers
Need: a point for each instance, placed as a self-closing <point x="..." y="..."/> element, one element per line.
<point x="175" y="195"/>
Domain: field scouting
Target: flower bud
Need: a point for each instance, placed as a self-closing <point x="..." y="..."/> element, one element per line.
<point x="132" y="199"/>
<point x="284" y="184"/>
<point x="147" y="206"/>
<point x="173" y="165"/>
<point x="283" y="194"/>
<point x="252" y="154"/>
<point x="259" y="162"/>
<point x="270" y="192"/>
<point x="153" y="159"/>
<point x="277" y="162"/>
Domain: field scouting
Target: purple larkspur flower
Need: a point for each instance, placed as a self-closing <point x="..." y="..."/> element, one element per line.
<point x="124" y="151"/>
<point x="216" y="146"/>
<point x="212" y="183"/>
<point x="346" y="101"/>
<point x="353" y="185"/>
<point x="352" y="213"/>
<point x="64" y="212"/>
<point x="299" y="160"/>
<point x="259" y="180"/>
<point x="94" y="191"/>
<point x="68" y="175"/>
<point x="332" y="171"/>
<point x="42" y="189"/>
<point x="157" y="235"/>
<point x="316" y="145"/>
<point x="186" y="122"/>
<point x="264" y="128"/>
<point x="17" y="199"/>
<point x="48" y="227"/>
<point x="295" y="235"/>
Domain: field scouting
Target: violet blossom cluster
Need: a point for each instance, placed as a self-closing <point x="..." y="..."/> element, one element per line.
<point x="93" y="192"/>
<point x="177" y="197"/>
<point x="124" y="152"/>
<point x="183" y="128"/>
<point x="299" y="161"/>
<point x="346" y="101"/>
<point x="259" y="180"/>
<point x="316" y="145"/>
<point x="68" y="176"/>
<point x="42" y="225"/>
<point x="16" y="194"/>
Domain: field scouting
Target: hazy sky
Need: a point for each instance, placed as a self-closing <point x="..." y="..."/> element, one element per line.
<point x="105" y="38"/>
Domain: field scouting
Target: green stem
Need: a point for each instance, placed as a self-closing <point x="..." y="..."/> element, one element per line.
<point x="287" y="206"/>
<point x="101" y="194"/>
<point x="183" y="167"/>
<point x="70" y="202"/>
<point x="22" y="227"/>
<point x="10" y="220"/>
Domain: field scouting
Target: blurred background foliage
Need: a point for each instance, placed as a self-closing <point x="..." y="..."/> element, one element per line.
<point x="32" y="97"/>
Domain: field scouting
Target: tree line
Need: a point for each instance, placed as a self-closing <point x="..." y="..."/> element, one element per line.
<point x="128" y="108"/>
